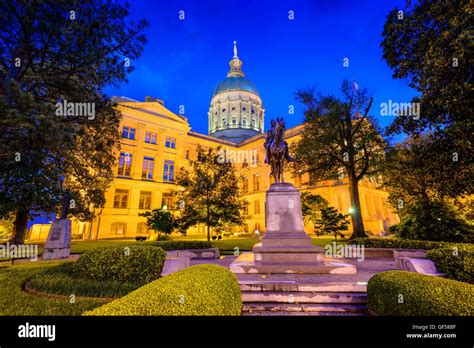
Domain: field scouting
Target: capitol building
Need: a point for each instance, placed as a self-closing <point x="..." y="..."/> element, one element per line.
<point x="156" y="142"/>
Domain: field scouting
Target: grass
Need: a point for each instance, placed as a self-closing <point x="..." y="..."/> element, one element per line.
<point x="15" y="302"/>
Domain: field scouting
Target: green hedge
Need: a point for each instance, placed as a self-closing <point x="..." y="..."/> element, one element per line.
<point x="181" y="244"/>
<point x="61" y="280"/>
<point x="140" y="264"/>
<point x="197" y="290"/>
<point x="457" y="262"/>
<point x="401" y="243"/>
<point x="421" y="295"/>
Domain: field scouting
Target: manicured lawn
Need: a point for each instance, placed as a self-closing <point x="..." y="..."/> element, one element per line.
<point x="14" y="301"/>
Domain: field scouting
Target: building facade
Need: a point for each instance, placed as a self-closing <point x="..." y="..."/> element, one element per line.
<point x="157" y="142"/>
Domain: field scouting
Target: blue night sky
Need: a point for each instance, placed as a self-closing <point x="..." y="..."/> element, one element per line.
<point x="183" y="61"/>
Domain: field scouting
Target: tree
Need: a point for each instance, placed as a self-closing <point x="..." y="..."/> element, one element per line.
<point x="428" y="44"/>
<point x="432" y="219"/>
<point x="311" y="206"/>
<point x="340" y="137"/>
<point x="331" y="221"/>
<point x="419" y="169"/>
<point x="211" y="192"/>
<point x="159" y="220"/>
<point x="422" y="186"/>
<point x="58" y="131"/>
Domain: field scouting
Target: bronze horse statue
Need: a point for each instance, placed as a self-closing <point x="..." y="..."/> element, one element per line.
<point x="277" y="150"/>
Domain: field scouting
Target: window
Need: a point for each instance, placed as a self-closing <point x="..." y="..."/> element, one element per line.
<point x="224" y="122"/>
<point x="256" y="206"/>
<point x="128" y="133"/>
<point x="233" y="109"/>
<point x="223" y="110"/>
<point x="253" y="111"/>
<point x="246" y="228"/>
<point x="120" y="198"/>
<point x="168" y="171"/>
<point x="245" y="185"/>
<point x="244" y="109"/>
<point x="256" y="182"/>
<point x="150" y="138"/>
<point x="245" y="163"/>
<point x="187" y="154"/>
<point x="125" y="164"/>
<point x="253" y="122"/>
<point x="167" y="199"/>
<point x="244" y="121"/>
<point x="246" y="209"/>
<point x="257" y="227"/>
<point x="118" y="228"/>
<point x="145" y="200"/>
<point x="170" y="142"/>
<point x="254" y="159"/>
<point x="142" y="228"/>
<point x="234" y="121"/>
<point x="148" y="167"/>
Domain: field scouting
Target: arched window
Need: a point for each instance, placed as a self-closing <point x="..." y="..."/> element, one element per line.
<point x="257" y="227"/>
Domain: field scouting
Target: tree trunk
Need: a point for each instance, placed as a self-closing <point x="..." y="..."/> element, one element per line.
<point x="20" y="225"/>
<point x="208" y="223"/>
<point x="356" y="214"/>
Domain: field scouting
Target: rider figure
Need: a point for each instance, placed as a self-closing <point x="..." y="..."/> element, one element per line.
<point x="271" y="136"/>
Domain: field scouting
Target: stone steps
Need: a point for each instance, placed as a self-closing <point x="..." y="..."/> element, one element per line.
<point x="308" y="314"/>
<point x="260" y="286"/>
<point x="292" y="309"/>
<point x="303" y="297"/>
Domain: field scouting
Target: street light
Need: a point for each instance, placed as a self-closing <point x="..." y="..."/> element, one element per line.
<point x="351" y="210"/>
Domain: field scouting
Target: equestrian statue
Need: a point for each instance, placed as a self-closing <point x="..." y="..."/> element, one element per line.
<point x="277" y="149"/>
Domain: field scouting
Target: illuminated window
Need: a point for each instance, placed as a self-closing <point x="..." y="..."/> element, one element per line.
<point x="128" y="133"/>
<point x="120" y="198"/>
<point x="256" y="182"/>
<point x="119" y="228"/>
<point x="168" y="171"/>
<point x="245" y="185"/>
<point x="167" y="199"/>
<point x="125" y="164"/>
<point x="150" y="138"/>
<point x="145" y="200"/>
<point x="187" y="154"/>
<point x="170" y="142"/>
<point x="148" y="167"/>
<point x="256" y="206"/>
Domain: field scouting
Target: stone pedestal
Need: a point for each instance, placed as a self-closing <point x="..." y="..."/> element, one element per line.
<point x="286" y="248"/>
<point x="58" y="243"/>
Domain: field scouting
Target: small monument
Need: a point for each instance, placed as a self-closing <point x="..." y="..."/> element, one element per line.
<point x="285" y="248"/>
<point x="58" y="243"/>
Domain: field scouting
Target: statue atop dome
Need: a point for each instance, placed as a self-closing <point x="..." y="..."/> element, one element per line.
<point x="235" y="65"/>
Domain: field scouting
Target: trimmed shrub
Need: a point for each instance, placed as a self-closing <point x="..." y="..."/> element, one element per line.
<point x="419" y="294"/>
<point x="181" y="244"/>
<point x="64" y="284"/>
<point x="457" y="262"/>
<point x="140" y="264"/>
<point x="197" y="290"/>
<point x="402" y="243"/>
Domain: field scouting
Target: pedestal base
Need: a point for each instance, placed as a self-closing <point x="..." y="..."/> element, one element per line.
<point x="58" y="243"/>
